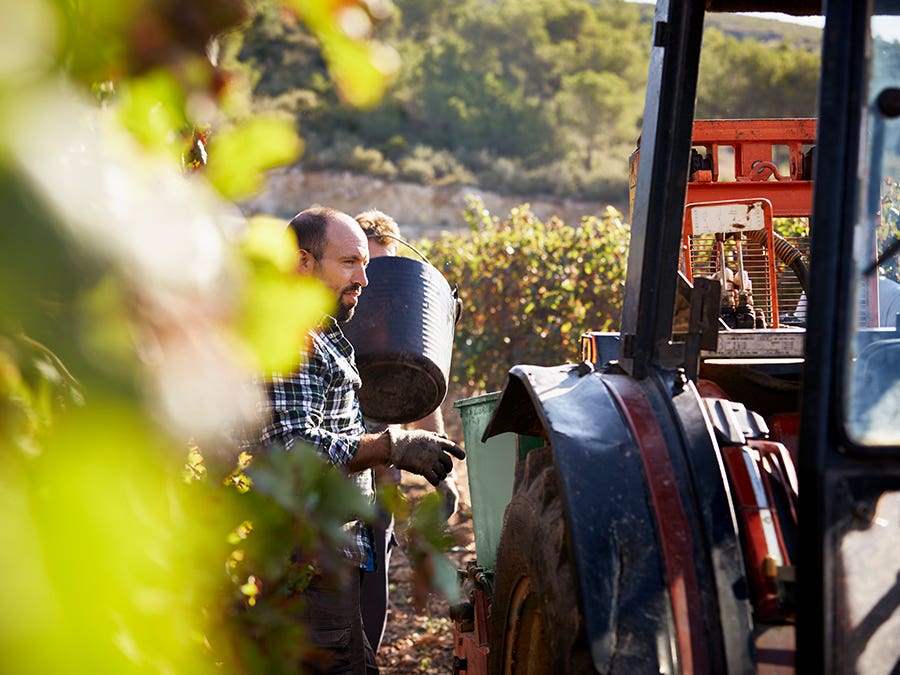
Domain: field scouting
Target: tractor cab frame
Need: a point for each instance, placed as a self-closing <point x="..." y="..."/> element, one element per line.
<point x="712" y="493"/>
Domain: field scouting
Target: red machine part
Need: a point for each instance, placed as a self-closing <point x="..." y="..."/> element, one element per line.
<point x="764" y="485"/>
<point x="749" y="233"/>
<point x="754" y="144"/>
<point x="786" y="430"/>
<point x="471" y="629"/>
<point x="754" y="159"/>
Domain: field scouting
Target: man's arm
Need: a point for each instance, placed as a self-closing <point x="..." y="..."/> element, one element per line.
<point x="422" y="452"/>
<point x="374" y="450"/>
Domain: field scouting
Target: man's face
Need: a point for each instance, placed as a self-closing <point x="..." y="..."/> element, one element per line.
<point x="342" y="267"/>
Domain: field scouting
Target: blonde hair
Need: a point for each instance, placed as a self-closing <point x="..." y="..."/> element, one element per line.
<point x="376" y="224"/>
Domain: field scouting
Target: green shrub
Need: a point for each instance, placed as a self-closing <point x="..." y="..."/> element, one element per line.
<point x="433" y="167"/>
<point x="416" y="170"/>
<point x="502" y="173"/>
<point x="395" y="146"/>
<point x="529" y="289"/>
<point x="370" y="161"/>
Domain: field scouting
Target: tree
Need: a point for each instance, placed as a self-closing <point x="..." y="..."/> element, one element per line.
<point x="487" y="81"/>
<point x="746" y="79"/>
<point x="598" y="111"/>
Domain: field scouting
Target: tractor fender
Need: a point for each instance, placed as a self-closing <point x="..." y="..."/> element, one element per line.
<point x="652" y="532"/>
<point x="613" y="540"/>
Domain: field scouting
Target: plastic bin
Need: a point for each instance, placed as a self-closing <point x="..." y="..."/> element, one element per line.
<point x="491" y="466"/>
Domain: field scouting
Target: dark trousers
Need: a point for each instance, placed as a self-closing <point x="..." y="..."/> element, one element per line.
<point x="332" y="616"/>
<point x="374" y="589"/>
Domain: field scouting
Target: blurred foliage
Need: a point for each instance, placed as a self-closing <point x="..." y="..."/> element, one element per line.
<point x="287" y="510"/>
<point x="136" y="304"/>
<point x="792" y="228"/>
<point x="745" y="78"/>
<point x="529" y="289"/>
<point x="885" y="66"/>
<point x="529" y="97"/>
<point x="889" y="230"/>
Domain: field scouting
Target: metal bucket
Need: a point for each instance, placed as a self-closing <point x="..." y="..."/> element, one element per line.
<point x="402" y="334"/>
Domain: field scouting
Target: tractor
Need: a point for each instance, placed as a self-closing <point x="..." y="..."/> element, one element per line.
<point x="715" y="487"/>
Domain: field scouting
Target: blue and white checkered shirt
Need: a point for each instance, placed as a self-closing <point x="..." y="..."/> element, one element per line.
<point x="317" y="404"/>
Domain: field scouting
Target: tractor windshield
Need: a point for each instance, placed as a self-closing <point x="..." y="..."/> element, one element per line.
<point x="873" y="399"/>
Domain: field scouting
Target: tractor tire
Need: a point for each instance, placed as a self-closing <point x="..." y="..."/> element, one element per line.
<point x="536" y="621"/>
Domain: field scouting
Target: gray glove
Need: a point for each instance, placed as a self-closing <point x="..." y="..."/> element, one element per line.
<point x="423" y="452"/>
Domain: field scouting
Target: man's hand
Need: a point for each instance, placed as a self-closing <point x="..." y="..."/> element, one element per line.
<point x="423" y="452"/>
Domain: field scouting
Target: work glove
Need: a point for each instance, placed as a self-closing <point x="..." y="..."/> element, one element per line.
<point x="423" y="452"/>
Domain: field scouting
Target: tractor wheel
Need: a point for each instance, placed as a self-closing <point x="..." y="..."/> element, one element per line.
<point x="536" y="621"/>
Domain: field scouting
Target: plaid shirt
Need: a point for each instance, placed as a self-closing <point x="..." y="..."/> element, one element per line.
<point x="317" y="404"/>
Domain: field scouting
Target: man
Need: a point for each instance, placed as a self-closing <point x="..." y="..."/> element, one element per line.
<point x="317" y="404"/>
<point x="382" y="232"/>
<point x="383" y="235"/>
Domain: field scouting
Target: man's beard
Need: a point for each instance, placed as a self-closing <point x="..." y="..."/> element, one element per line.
<point x="345" y="312"/>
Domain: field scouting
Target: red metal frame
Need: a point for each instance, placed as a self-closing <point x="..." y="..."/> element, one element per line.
<point x="755" y="175"/>
<point x="471" y="643"/>
<point x="771" y="295"/>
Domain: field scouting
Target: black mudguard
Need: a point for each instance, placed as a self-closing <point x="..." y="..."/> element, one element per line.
<point x="613" y="522"/>
<point x="614" y="545"/>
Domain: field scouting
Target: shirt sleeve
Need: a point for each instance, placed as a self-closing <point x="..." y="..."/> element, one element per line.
<point x="298" y="409"/>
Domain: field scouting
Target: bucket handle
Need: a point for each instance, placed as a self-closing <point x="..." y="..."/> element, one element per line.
<point x="457" y="301"/>
<point x="402" y="241"/>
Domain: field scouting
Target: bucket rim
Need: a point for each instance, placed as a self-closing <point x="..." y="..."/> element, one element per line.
<point x="431" y="271"/>
<point x="474" y="400"/>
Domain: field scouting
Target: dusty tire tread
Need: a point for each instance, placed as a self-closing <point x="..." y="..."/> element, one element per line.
<point x="534" y="543"/>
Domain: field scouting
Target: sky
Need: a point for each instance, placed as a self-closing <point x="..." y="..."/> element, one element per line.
<point x="777" y="16"/>
<point x="887" y="29"/>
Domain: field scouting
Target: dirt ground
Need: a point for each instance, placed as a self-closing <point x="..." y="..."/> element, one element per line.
<point x="423" y="643"/>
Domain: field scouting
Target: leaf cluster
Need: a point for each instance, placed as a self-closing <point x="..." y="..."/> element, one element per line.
<point x="889" y="229"/>
<point x="286" y="514"/>
<point x="135" y="304"/>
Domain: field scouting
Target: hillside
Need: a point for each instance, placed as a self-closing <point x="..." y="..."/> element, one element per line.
<point x="767" y="31"/>
<point x="537" y="100"/>
<point x="422" y="211"/>
<point x="757" y="28"/>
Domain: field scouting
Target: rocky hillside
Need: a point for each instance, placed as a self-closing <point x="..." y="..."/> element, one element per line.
<point x="422" y="211"/>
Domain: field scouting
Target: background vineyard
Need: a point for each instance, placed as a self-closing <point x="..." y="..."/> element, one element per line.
<point x="529" y="289"/>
